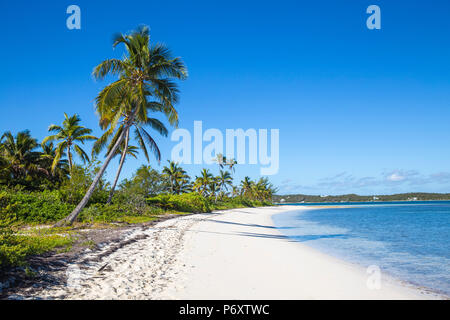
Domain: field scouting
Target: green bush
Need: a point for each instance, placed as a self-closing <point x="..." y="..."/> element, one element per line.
<point x="34" y="207"/>
<point x="186" y="202"/>
<point x="73" y="190"/>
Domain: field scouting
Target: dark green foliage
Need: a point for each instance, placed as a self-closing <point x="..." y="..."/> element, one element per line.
<point x="145" y="182"/>
<point x="73" y="190"/>
<point x="34" y="207"/>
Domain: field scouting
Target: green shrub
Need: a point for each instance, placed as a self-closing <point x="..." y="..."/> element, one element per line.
<point x="73" y="190"/>
<point x="186" y="202"/>
<point x="34" y="207"/>
<point x="103" y="213"/>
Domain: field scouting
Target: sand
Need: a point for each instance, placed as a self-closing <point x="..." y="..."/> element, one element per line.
<point x="237" y="254"/>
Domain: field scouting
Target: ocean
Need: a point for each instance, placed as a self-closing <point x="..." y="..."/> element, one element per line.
<point x="406" y="240"/>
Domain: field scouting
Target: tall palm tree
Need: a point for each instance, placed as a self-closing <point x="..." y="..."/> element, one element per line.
<point x="144" y="72"/>
<point x="225" y="180"/>
<point x="69" y="135"/>
<point x="203" y="182"/>
<point x="19" y="152"/>
<point x="176" y="176"/>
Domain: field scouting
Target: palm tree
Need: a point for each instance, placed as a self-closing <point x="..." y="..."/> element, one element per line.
<point x="176" y="176"/>
<point x="235" y="191"/>
<point x="221" y="160"/>
<point x="247" y="187"/>
<point x="203" y="182"/>
<point x="132" y="151"/>
<point x="69" y="135"/>
<point x="263" y="189"/>
<point x="144" y="72"/>
<point x="48" y="155"/>
<point x="231" y="163"/>
<point x="214" y="188"/>
<point x="224" y="180"/>
<point x="144" y="139"/>
<point x="19" y="152"/>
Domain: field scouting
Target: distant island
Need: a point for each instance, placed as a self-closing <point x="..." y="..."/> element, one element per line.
<point x="419" y="196"/>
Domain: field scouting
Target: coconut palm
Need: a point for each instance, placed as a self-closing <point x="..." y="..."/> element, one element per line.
<point x="132" y="151"/>
<point x="203" y="182"/>
<point x="177" y="177"/>
<point x="214" y="188"/>
<point x="231" y="165"/>
<point x="247" y="187"/>
<point x="221" y="160"/>
<point x="224" y="180"/>
<point x="69" y="135"/>
<point x="235" y="191"/>
<point x="263" y="189"/>
<point x="20" y="154"/>
<point x="145" y="141"/>
<point x="47" y="157"/>
<point x="144" y="72"/>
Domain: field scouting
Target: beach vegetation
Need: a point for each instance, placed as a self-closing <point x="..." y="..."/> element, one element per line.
<point x="47" y="186"/>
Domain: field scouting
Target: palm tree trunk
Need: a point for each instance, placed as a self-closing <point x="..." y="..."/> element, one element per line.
<point x="69" y="155"/>
<point x="122" y="161"/>
<point x="75" y="213"/>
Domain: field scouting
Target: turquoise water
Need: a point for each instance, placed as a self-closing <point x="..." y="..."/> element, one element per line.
<point x="410" y="241"/>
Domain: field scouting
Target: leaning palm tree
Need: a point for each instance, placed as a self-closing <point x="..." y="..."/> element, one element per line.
<point x="144" y="139"/>
<point x="145" y="72"/>
<point x="69" y="135"/>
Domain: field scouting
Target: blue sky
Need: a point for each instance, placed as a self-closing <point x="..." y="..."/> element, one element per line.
<point x="360" y="111"/>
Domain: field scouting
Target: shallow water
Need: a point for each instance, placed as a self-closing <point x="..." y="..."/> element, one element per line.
<point x="410" y="241"/>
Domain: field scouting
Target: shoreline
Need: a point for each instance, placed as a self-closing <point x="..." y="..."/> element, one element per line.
<point x="251" y="270"/>
<point x="390" y="278"/>
<point x="230" y="254"/>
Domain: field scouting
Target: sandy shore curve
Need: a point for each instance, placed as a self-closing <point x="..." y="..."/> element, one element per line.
<point x="235" y="254"/>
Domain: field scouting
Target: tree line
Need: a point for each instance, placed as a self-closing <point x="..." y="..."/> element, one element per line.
<point x="145" y="86"/>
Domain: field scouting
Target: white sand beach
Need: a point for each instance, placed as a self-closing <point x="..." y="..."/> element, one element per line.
<point x="237" y="254"/>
